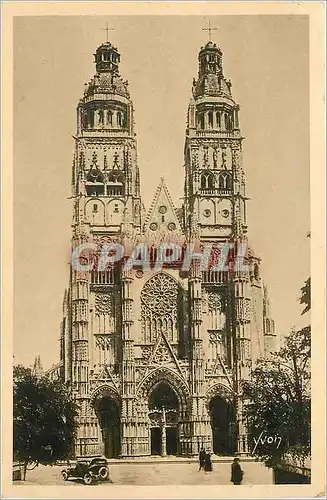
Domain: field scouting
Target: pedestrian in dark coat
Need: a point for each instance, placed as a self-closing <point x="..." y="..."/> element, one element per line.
<point x="207" y="463"/>
<point x="202" y="456"/>
<point x="236" y="472"/>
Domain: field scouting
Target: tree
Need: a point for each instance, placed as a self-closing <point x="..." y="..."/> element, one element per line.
<point x="44" y="419"/>
<point x="277" y="400"/>
<point x="306" y="296"/>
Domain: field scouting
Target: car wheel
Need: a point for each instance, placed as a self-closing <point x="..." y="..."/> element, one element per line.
<point x="87" y="478"/>
<point x="103" y="472"/>
<point x="64" y="475"/>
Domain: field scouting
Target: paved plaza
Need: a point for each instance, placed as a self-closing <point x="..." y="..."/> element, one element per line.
<point x="157" y="473"/>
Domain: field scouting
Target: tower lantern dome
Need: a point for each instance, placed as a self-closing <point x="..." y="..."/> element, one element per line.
<point x="210" y="59"/>
<point x="107" y="58"/>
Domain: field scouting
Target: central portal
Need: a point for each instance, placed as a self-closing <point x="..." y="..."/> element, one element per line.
<point x="163" y="412"/>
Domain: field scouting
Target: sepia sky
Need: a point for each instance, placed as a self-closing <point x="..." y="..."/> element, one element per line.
<point x="266" y="57"/>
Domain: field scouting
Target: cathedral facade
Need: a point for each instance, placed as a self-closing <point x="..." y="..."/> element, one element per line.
<point x="155" y="355"/>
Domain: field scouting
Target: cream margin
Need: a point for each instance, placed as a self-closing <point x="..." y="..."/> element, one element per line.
<point x="316" y="12"/>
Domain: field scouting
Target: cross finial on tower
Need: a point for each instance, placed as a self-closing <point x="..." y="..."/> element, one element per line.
<point x="209" y="29"/>
<point x="107" y="29"/>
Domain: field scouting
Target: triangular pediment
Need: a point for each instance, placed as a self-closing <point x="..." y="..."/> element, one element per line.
<point x="220" y="368"/>
<point x="162" y="217"/>
<point x="105" y="375"/>
<point x="163" y="354"/>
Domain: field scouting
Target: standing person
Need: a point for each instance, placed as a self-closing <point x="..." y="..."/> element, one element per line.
<point x="202" y="455"/>
<point x="207" y="463"/>
<point x="236" y="472"/>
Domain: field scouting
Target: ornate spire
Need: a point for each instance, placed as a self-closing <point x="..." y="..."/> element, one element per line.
<point x="37" y="367"/>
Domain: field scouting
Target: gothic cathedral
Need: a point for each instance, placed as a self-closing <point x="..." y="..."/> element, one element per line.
<point x="156" y="357"/>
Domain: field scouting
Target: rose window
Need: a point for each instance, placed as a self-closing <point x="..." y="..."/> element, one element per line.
<point x="160" y="294"/>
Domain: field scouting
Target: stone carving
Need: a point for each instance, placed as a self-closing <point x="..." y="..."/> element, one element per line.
<point x="205" y="157"/>
<point x="220" y="390"/>
<point x="247" y="310"/>
<point x="165" y="373"/>
<point x="224" y="159"/>
<point x="162" y="354"/>
<point x="160" y="294"/>
<point x="146" y="351"/>
<point x="214" y="157"/>
<point x="104" y="390"/>
<point x="103" y="303"/>
<point x="214" y="301"/>
<point x="216" y="336"/>
<point x="140" y="405"/>
<point x="194" y="159"/>
<point x="103" y="341"/>
<point x="155" y="419"/>
<point x="171" y="417"/>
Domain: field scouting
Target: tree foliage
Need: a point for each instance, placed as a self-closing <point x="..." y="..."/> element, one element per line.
<point x="44" y="424"/>
<point x="305" y="298"/>
<point x="278" y="398"/>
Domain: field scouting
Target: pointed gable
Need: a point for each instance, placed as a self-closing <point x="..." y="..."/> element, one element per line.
<point x="162" y="356"/>
<point x="106" y="376"/>
<point x="162" y="217"/>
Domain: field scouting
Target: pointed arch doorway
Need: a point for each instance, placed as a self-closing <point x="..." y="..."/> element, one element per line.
<point x="223" y="425"/>
<point x="163" y="413"/>
<point x="109" y="419"/>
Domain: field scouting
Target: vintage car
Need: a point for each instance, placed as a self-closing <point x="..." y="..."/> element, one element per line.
<point x="90" y="469"/>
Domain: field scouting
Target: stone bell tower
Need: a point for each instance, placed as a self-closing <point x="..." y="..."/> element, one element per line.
<point x="107" y="208"/>
<point x="105" y="173"/>
<point x="214" y="176"/>
<point x="215" y="213"/>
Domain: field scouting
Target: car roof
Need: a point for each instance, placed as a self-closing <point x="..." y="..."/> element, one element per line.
<point x="97" y="458"/>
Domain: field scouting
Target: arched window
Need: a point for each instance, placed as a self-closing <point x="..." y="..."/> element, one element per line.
<point x="94" y="182"/>
<point x="225" y="181"/>
<point x="226" y="120"/>
<point x="94" y="175"/>
<point x="203" y="181"/>
<point x="218" y="119"/>
<point x="207" y="180"/>
<point x="101" y="116"/>
<point x="210" y="119"/>
<point x="116" y="177"/>
<point x="119" y="119"/>
<point x="85" y="120"/>
<point x="91" y="118"/>
<point x="160" y="303"/>
<point x="109" y="117"/>
<point x="201" y="121"/>
<point x="116" y="183"/>
<point x="211" y="181"/>
<point x="222" y="181"/>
